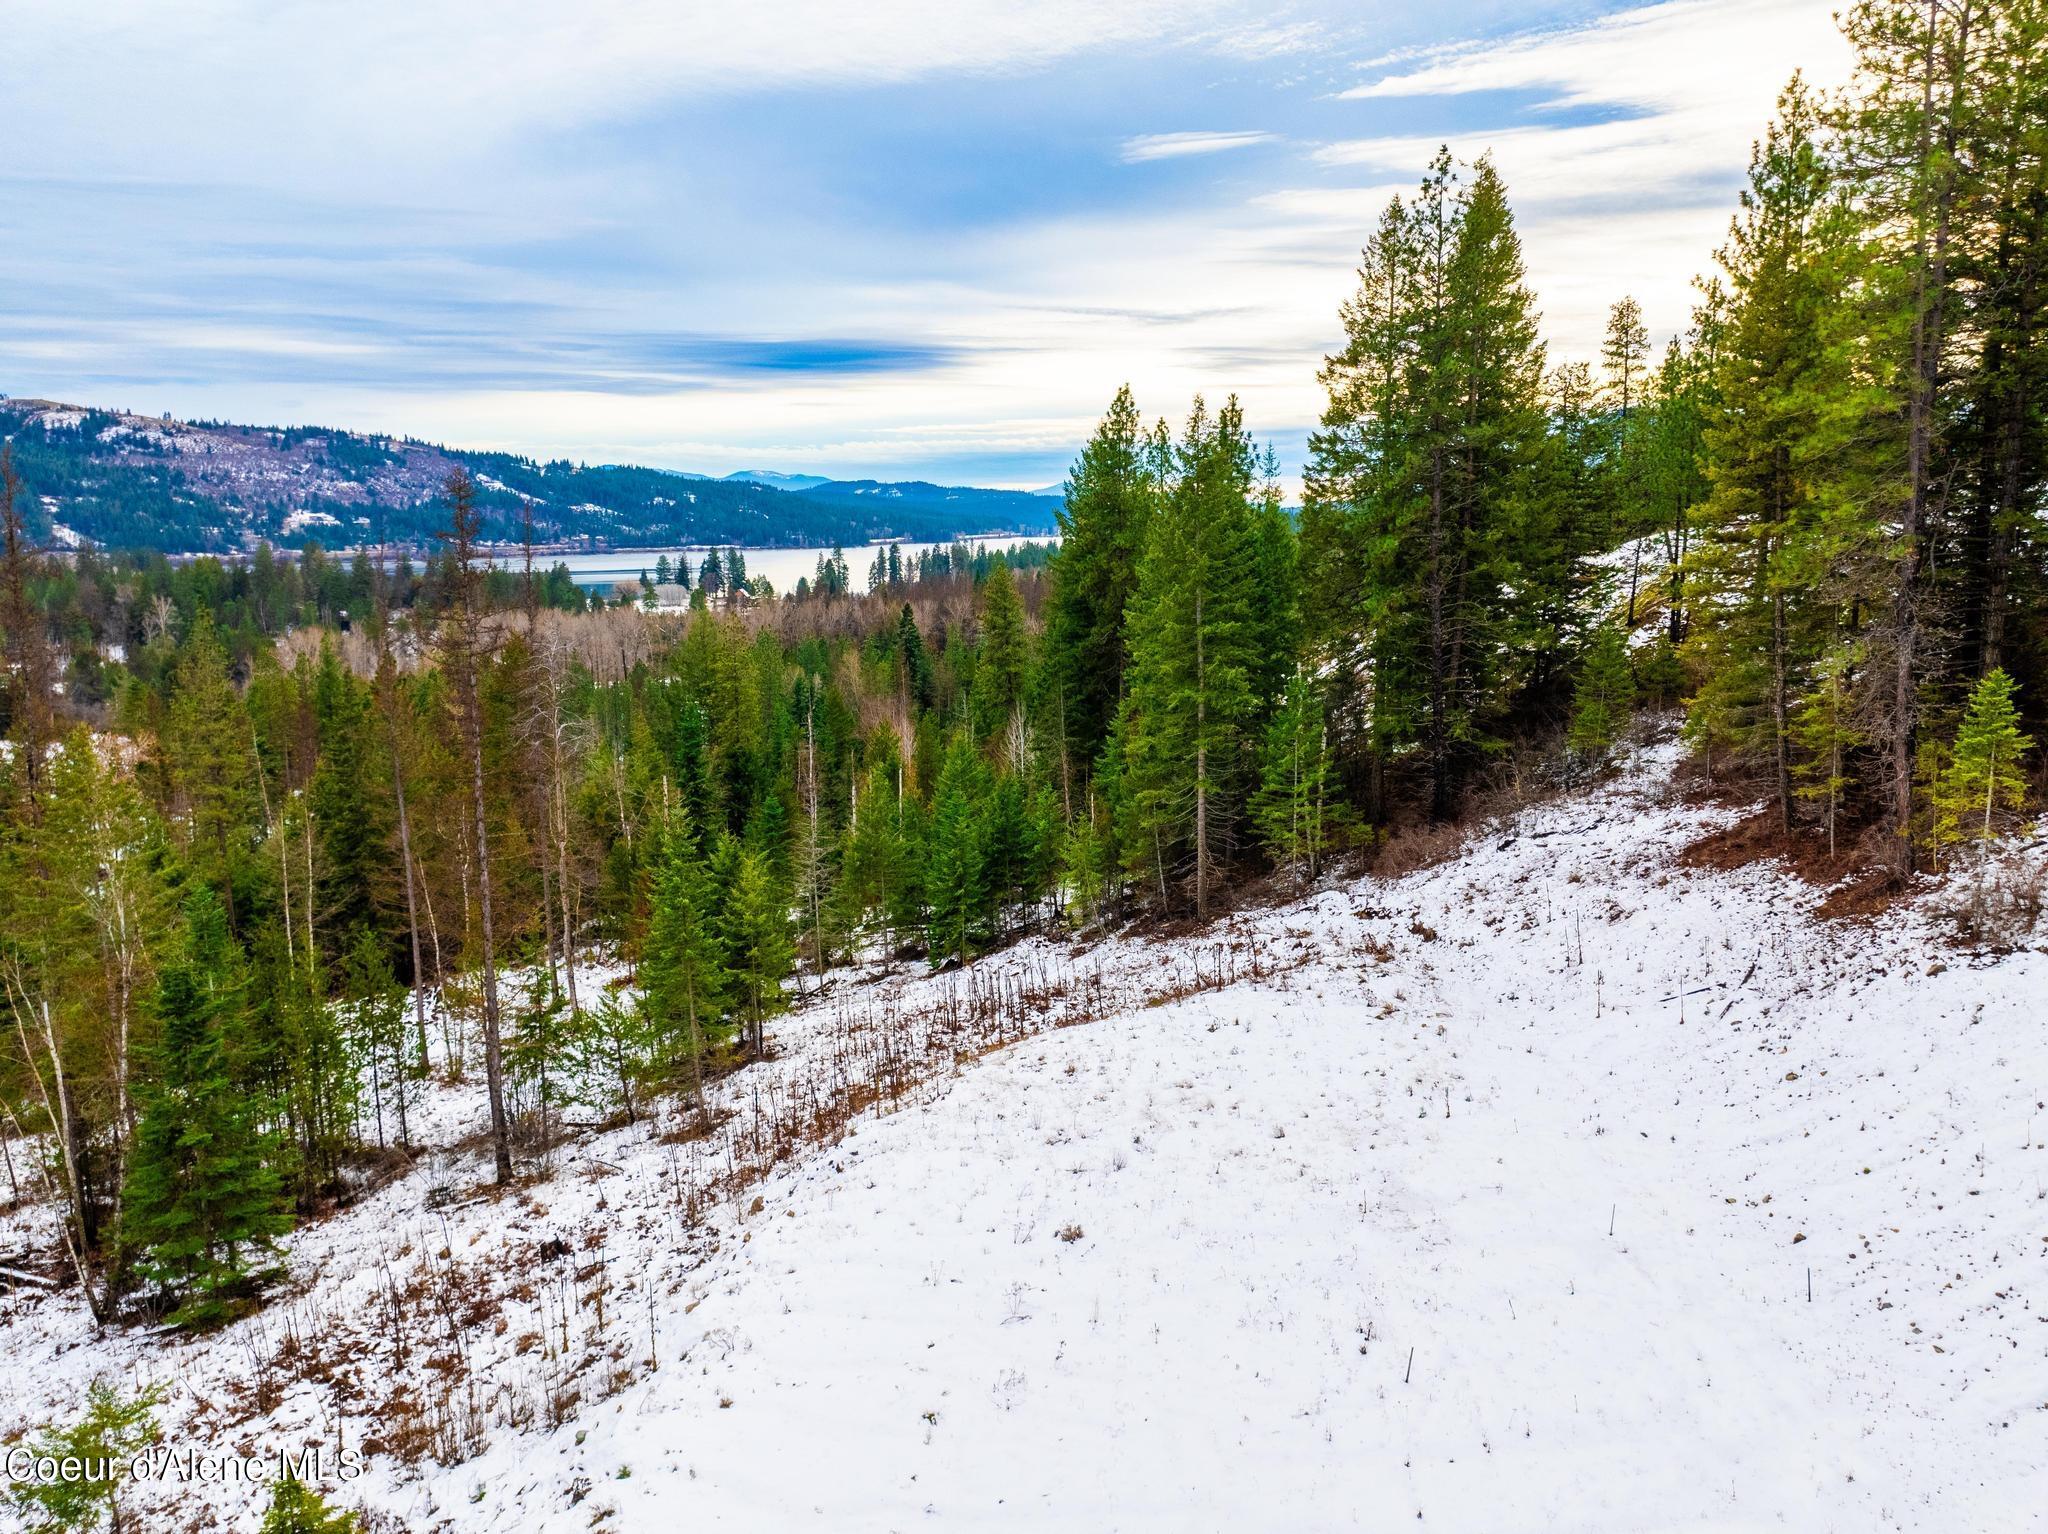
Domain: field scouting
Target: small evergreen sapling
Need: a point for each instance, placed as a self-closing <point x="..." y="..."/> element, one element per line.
<point x="295" y="1508"/>
<point x="759" y="953"/>
<point x="205" y="1205"/>
<point x="1983" y="772"/>
<point x="1297" y="821"/>
<point x="1825" y="732"/>
<point x="105" y="1442"/>
<point x="1600" y="705"/>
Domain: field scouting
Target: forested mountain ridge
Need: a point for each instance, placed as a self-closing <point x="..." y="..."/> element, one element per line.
<point x="120" y="480"/>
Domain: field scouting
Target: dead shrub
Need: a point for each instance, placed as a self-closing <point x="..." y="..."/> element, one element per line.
<point x="1995" y="901"/>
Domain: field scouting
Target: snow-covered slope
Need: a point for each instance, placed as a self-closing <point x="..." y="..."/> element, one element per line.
<point x="1488" y="1197"/>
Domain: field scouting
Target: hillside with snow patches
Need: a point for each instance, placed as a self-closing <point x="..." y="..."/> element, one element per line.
<point x="1561" y="1185"/>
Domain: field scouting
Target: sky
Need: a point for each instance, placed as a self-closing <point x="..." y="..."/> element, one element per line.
<point x="900" y="239"/>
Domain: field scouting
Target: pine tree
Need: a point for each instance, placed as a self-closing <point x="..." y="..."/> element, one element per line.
<point x="684" y="984"/>
<point x="1002" y="665"/>
<point x="209" y="753"/>
<point x="1552" y="529"/>
<point x="295" y="1508"/>
<point x="346" y="811"/>
<point x="1357" y="491"/>
<point x="1983" y="774"/>
<point x="1084" y="865"/>
<point x="466" y="645"/>
<point x="1275" y="589"/>
<point x="376" y="1006"/>
<point x="1909" y="125"/>
<point x="1825" y="733"/>
<point x="1603" y="698"/>
<point x="1111" y="492"/>
<point x="868" y="864"/>
<point x="1293" y="807"/>
<point x="1433" y="437"/>
<point x="612" y="1049"/>
<point x="113" y="1431"/>
<point x="1194" y="657"/>
<point x="1625" y="353"/>
<point x="957" y="885"/>
<point x="204" y="1203"/>
<point x="1778" y="531"/>
<point x="1008" y="853"/>
<point x="537" y="1054"/>
<point x="755" y="931"/>
<point x="916" y="687"/>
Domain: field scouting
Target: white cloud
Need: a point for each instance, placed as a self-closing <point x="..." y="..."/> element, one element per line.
<point x="1673" y="53"/>
<point x="1622" y="142"/>
<point x="391" y="89"/>
<point x="1634" y="195"/>
<point x="1168" y="146"/>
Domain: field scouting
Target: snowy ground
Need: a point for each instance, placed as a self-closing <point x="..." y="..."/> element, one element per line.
<point x="1482" y="1207"/>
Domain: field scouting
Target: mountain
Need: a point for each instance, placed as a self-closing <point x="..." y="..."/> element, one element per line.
<point x="779" y="481"/>
<point x="121" y="480"/>
<point x="1009" y="511"/>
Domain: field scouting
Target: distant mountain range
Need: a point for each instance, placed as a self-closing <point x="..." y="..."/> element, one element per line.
<point x="119" y="480"/>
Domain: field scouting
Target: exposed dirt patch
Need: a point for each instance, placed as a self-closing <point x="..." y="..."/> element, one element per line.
<point x="1856" y="888"/>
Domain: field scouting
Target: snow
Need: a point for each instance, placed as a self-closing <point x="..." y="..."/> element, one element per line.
<point x="1472" y="1197"/>
<point x="297" y="520"/>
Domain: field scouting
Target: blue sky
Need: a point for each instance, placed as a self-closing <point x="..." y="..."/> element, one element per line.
<point x="908" y="238"/>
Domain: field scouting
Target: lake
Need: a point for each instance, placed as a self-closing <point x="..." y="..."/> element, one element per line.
<point x="783" y="567"/>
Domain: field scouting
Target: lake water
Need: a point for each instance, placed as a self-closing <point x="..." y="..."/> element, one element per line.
<point x="783" y="567"/>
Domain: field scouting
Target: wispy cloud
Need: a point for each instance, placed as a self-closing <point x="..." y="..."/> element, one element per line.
<point x="1172" y="146"/>
<point x="1621" y="140"/>
<point x="882" y="239"/>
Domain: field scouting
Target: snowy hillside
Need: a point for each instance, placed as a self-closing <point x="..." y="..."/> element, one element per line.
<point x="1488" y="1198"/>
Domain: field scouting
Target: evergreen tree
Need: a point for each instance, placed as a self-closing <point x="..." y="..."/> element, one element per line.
<point x="1983" y="774"/>
<point x="915" y="684"/>
<point x="376" y="1004"/>
<point x="204" y="1203"/>
<point x="1002" y="665"/>
<point x="1551" y="530"/>
<point x="1910" y="125"/>
<point x="1779" y="524"/>
<point x="1433" y="437"/>
<point x="209" y="756"/>
<point x="957" y="885"/>
<point x="113" y="1431"/>
<point x="755" y="931"/>
<point x="1085" y="865"/>
<point x="1825" y="732"/>
<point x="1603" y="698"/>
<point x="346" y="807"/>
<point x="1111" y="491"/>
<point x="295" y="1508"/>
<point x="538" y="1052"/>
<point x="1194" y="658"/>
<point x="1297" y="820"/>
<point x="869" y="862"/>
<point x="1275" y="588"/>
<point x="1625" y="353"/>
<point x="684" y="984"/>
<point x="612" y="1049"/>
